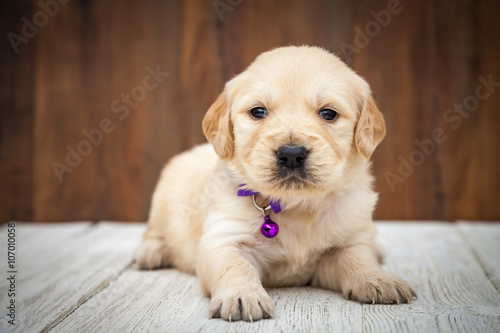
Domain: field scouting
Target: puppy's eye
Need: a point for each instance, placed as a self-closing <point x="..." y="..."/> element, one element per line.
<point x="258" y="113"/>
<point x="328" y="114"/>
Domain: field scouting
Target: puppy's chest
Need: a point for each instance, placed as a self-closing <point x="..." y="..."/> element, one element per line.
<point x="291" y="257"/>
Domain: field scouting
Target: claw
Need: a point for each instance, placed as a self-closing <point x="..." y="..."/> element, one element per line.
<point x="373" y="301"/>
<point x="251" y="319"/>
<point x="229" y="318"/>
<point x="267" y="314"/>
<point x="397" y="301"/>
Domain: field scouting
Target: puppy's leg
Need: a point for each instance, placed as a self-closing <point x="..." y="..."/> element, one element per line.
<point x="233" y="283"/>
<point x="356" y="272"/>
<point x="152" y="252"/>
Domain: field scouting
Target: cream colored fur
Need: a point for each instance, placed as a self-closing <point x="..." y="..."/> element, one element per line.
<point x="198" y="223"/>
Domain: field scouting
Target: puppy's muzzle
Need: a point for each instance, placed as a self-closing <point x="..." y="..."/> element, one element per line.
<point x="291" y="157"/>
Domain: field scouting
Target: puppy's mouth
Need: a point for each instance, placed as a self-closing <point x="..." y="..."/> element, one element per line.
<point x="295" y="179"/>
<point x="291" y="170"/>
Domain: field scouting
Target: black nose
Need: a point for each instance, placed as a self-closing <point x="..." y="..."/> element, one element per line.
<point x="292" y="157"/>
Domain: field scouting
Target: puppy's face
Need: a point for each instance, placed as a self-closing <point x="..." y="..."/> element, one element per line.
<point x="293" y="121"/>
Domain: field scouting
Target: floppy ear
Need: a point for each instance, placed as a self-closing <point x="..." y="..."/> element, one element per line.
<point x="218" y="128"/>
<point x="370" y="129"/>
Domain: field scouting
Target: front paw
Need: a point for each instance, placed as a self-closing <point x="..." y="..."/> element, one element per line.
<point x="249" y="302"/>
<point x="378" y="287"/>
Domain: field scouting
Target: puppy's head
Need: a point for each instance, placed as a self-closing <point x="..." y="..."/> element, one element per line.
<point x="294" y="122"/>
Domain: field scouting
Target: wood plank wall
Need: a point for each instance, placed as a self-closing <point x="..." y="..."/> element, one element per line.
<point x="69" y="77"/>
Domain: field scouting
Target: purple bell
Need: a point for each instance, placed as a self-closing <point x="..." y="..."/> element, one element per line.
<point x="269" y="228"/>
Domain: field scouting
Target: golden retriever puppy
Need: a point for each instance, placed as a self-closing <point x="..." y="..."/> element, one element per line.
<point x="283" y="195"/>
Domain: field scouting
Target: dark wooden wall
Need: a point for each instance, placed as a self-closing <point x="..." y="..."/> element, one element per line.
<point x="65" y="79"/>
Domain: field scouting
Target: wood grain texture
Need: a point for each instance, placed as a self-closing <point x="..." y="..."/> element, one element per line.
<point x="91" y="53"/>
<point x="454" y="294"/>
<point x="440" y="260"/>
<point x="58" y="269"/>
<point x="16" y="114"/>
<point x="484" y="240"/>
<point x="110" y="51"/>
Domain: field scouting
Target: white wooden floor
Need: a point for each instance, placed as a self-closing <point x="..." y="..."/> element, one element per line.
<point x="79" y="277"/>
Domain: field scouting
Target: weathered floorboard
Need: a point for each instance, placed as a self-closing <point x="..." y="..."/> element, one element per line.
<point x="453" y="292"/>
<point x="484" y="239"/>
<point x="59" y="268"/>
<point x="454" y="295"/>
<point x="140" y="301"/>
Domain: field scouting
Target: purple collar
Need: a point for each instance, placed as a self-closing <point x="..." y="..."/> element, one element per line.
<point x="275" y="204"/>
